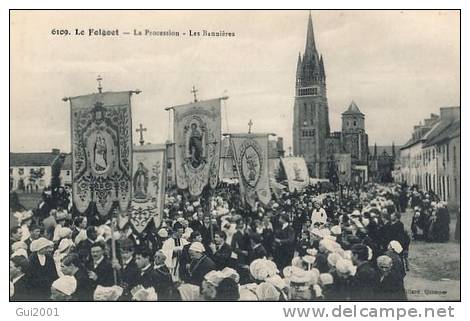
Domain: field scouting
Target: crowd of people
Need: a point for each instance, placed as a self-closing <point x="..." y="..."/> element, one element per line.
<point x="309" y="245"/>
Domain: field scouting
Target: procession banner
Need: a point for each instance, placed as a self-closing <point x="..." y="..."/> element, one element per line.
<point x="251" y="158"/>
<point x="101" y="130"/>
<point x="148" y="186"/>
<point x="296" y="172"/>
<point x="343" y="163"/>
<point x="197" y="145"/>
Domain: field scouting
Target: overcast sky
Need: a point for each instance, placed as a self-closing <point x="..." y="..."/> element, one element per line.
<point x="397" y="66"/>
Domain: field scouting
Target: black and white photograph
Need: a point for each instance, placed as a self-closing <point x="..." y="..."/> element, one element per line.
<point x="234" y="155"/>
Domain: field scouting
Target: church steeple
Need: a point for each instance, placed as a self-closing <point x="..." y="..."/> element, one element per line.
<point x="310" y="48"/>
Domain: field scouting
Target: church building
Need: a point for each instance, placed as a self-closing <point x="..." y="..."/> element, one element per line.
<point x="312" y="138"/>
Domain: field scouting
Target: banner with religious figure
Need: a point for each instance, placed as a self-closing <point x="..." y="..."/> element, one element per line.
<point x="296" y="172"/>
<point x="251" y="158"/>
<point x="197" y="145"/>
<point x="101" y="129"/>
<point x="148" y="186"/>
<point x="343" y="164"/>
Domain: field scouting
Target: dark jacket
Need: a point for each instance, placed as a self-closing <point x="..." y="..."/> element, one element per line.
<point x="40" y="278"/>
<point x="222" y="256"/>
<point x="240" y="243"/>
<point x="199" y="268"/>
<point x="391" y="288"/>
<point x="366" y="282"/>
<point x="22" y="290"/>
<point x="128" y="276"/>
<point x="85" y="286"/>
<point x="104" y="271"/>
<point x="185" y="259"/>
<point x="165" y="288"/>
<point x="284" y="251"/>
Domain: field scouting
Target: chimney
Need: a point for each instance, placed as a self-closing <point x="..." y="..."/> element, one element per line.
<point x="450" y="113"/>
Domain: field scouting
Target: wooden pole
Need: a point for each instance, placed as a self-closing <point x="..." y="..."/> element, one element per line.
<point x="113" y="244"/>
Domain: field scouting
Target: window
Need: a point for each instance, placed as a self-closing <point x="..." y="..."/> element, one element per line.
<point x="444" y="189"/>
<point x="455" y="156"/>
<point x="456" y="188"/>
<point x="447" y="152"/>
<point x="355" y="123"/>
<point x="315" y="91"/>
<point x="308" y="133"/>
<point x="448" y="187"/>
<point x="67" y="173"/>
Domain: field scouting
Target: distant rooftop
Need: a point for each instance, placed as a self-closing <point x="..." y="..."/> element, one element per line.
<point x="33" y="159"/>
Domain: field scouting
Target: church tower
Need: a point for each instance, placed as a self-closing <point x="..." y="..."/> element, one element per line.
<point x="353" y="135"/>
<point x="311" y="125"/>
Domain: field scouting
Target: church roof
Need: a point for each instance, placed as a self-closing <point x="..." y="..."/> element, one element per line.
<point x="352" y="110"/>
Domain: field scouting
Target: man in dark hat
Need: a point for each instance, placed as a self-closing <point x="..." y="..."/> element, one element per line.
<point x="367" y="279"/>
<point x="284" y="243"/>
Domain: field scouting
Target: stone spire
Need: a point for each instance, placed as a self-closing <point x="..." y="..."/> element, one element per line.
<point x="310" y="48"/>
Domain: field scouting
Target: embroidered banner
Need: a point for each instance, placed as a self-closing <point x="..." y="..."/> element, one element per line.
<point x="148" y="185"/>
<point x="296" y="172"/>
<point x="101" y="150"/>
<point x="197" y="145"/>
<point x="343" y="163"/>
<point x="251" y="158"/>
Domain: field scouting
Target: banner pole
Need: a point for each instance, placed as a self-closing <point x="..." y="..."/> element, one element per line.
<point x="113" y="244"/>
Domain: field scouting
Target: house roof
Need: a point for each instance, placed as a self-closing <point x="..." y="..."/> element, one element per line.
<point x="451" y="131"/>
<point x="352" y="110"/>
<point x="430" y="134"/>
<point x="32" y="159"/>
